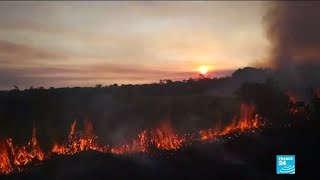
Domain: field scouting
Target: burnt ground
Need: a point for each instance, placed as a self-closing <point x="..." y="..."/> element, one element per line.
<point x="249" y="156"/>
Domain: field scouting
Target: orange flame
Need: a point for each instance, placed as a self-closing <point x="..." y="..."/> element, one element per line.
<point x="78" y="141"/>
<point x="164" y="137"/>
<point x="246" y="121"/>
<point x="140" y="144"/>
<point x="5" y="164"/>
<point x="161" y="137"/>
<point x="26" y="154"/>
<point x="293" y="107"/>
<point x="21" y="155"/>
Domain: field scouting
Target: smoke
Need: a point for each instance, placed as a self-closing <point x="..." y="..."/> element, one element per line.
<point x="293" y="30"/>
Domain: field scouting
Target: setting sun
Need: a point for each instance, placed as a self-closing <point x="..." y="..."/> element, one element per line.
<point x="203" y="70"/>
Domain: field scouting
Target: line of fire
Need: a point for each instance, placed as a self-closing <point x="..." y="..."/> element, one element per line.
<point x="15" y="158"/>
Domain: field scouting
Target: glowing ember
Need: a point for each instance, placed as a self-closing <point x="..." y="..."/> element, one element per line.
<point x="140" y="144"/>
<point x="208" y="134"/>
<point x="294" y="106"/>
<point x="292" y="97"/>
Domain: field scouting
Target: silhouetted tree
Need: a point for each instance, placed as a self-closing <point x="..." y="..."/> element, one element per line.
<point x="15" y="87"/>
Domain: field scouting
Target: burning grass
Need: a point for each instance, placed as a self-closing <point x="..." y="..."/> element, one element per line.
<point x="162" y="137"/>
<point x="248" y="120"/>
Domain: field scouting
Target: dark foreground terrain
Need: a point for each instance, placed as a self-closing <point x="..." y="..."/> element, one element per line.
<point x="249" y="156"/>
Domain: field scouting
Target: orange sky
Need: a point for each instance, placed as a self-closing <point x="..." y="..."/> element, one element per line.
<point x="80" y="43"/>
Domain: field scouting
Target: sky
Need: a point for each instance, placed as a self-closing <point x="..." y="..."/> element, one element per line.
<point x="81" y="43"/>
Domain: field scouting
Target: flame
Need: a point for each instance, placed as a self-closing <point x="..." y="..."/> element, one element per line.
<point x="140" y="144"/>
<point x="21" y="156"/>
<point x="211" y="134"/>
<point x="162" y="137"/>
<point x="248" y="120"/>
<point x="78" y="141"/>
<point x="293" y="107"/>
<point x="28" y="153"/>
<point x="73" y="128"/>
<point x="5" y="164"/>
<point x="292" y="97"/>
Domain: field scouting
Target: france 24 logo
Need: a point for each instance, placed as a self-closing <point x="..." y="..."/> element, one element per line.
<point x="286" y="164"/>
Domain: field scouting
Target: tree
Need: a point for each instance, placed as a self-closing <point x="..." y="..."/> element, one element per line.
<point x="16" y="87"/>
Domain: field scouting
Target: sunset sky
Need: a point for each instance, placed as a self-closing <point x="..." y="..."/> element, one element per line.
<point x="79" y="43"/>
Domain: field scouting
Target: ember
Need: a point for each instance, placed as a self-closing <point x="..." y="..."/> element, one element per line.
<point x="292" y="96"/>
<point x="295" y="106"/>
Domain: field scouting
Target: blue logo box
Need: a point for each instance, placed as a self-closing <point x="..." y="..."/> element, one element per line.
<point x="286" y="164"/>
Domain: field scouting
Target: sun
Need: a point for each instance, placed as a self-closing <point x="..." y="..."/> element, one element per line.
<point x="203" y="70"/>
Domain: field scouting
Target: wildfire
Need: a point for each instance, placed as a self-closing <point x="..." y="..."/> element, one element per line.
<point x="294" y="106"/>
<point x="161" y="137"/>
<point x="140" y="144"/>
<point x="28" y="153"/>
<point x="165" y="138"/>
<point x="78" y="141"/>
<point x="21" y="156"/>
<point x="5" y="165"/>
<point x="248" y="120"/>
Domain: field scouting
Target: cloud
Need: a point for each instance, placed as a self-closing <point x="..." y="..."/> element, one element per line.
<point x="12" y="52"/>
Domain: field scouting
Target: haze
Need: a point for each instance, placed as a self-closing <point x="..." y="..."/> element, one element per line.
<point x="72" y="43"/>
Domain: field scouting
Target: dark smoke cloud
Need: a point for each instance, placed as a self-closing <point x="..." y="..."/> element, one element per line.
<point x="293" y="30"/>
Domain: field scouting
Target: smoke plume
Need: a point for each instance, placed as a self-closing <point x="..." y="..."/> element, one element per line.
<point x="293" y="30"/>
